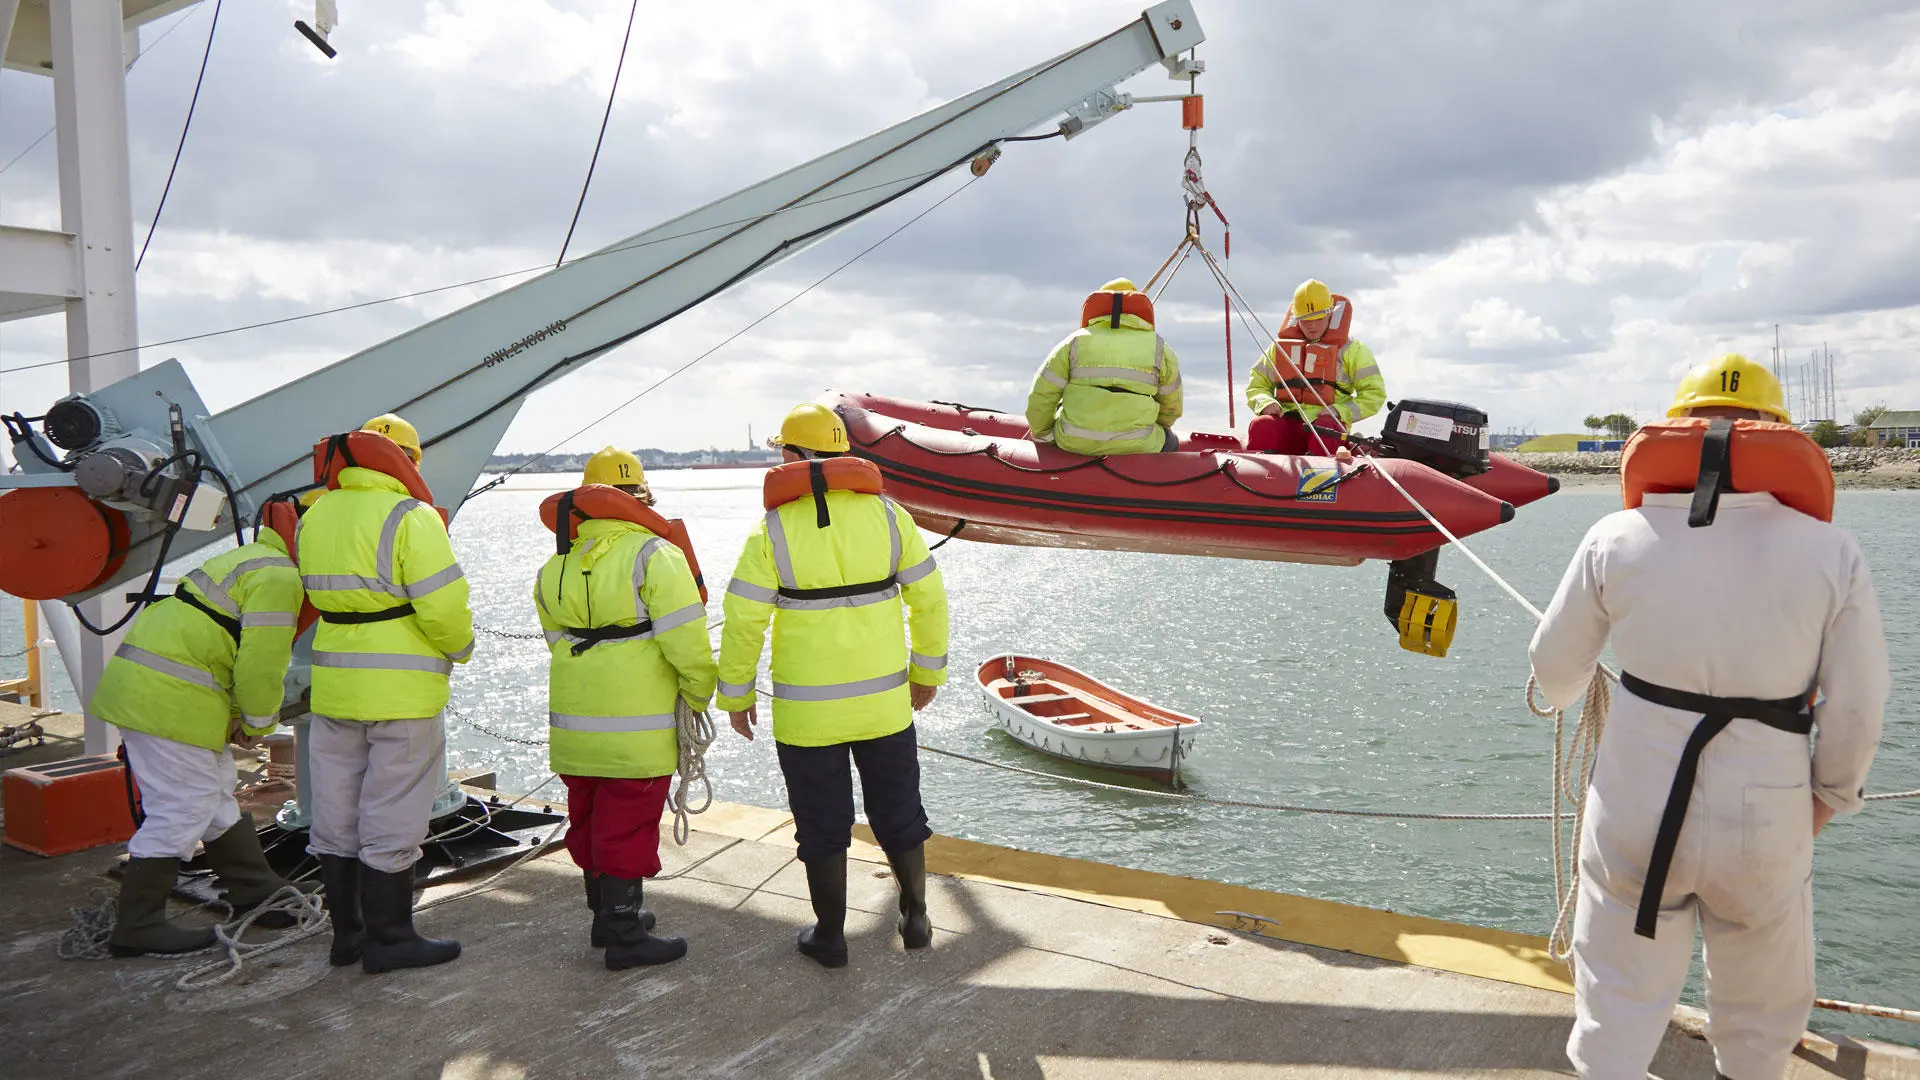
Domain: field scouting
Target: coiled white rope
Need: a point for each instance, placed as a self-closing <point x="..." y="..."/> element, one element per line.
<point x="696" y="733"/>
<point x="1572" y="770"/>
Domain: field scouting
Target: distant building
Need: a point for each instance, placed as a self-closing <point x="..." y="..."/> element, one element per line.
<point x="1897" y="429"/>
<point x="1592" y="446"/>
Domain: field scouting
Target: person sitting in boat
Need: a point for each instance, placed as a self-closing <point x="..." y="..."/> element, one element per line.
<point x="1743" y="620"/>
<point x="1113" y="386"/>
<point x="1314" y="382"/>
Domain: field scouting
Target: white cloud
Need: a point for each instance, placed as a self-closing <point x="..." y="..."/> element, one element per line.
<point x="1493" y="323"/>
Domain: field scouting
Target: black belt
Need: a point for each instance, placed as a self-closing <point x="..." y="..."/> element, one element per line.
<point x="1786" y="714"/>
<point x="354" y="617"/>
<point x="227" y="622"/>
<point x="593" y="635"/>
<point x="835" y="592"/>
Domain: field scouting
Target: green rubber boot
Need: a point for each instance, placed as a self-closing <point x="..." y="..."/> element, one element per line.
<point x="140" y="925"/>
<point x="240" y="865"/>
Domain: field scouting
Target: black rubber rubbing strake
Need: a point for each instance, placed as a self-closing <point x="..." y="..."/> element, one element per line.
<point x="1716" y="473"/>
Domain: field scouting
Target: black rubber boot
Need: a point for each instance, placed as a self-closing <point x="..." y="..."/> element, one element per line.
<point x="910" y="871"/>
<point x="628" y="942"/>
<point x="140" y="925"/>
<point x="386" y="902"/>
<point x="826" y="940"/>
<point x="599" y="935"/>
<point x="340" y="877"/>
<point x="240" y="865"/>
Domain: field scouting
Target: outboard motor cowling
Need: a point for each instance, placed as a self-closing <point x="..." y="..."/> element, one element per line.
<point x="1443" y="435"/>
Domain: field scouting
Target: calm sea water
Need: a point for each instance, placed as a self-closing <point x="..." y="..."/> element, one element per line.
<point x="1307" y="699"/>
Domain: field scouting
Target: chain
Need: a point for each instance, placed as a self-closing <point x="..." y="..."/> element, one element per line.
<point x="485" y="730"/>
<point x="509" y="634"/>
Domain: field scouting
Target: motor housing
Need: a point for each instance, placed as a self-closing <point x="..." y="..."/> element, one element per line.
<point x="75" y="423"/>
<point x="1443" y="435"/>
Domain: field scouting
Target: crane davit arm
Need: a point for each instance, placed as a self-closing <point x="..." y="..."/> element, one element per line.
<point x="461" y="378"/>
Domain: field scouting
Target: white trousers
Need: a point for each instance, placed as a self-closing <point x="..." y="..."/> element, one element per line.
<point x="1743" y="871"/>
<point x="185" y="791"/>
<point x="373" y="786"/>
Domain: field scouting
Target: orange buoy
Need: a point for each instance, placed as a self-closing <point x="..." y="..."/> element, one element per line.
<point x="55" y="542"/>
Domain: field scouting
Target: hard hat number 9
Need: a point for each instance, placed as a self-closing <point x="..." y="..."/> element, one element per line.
<point x="1730" y="382"/>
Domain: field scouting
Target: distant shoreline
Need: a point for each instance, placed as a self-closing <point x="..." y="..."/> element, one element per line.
<point x="1854" y="468"/>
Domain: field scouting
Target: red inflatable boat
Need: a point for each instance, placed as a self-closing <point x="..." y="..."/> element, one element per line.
<point x="974" y="473"/>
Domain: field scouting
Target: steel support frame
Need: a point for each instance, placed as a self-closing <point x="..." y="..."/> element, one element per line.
<point x="96" y="208"/>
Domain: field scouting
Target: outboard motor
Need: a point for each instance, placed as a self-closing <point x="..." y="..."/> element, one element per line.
<point x="1443" y="435"/>
<point x="1450" y="438"/>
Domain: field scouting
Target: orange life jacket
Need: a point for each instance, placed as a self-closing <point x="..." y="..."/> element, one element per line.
<point x="282" y="516"/>
<point x="368" y="450"/>
<point x="1108" y="307"/>
<point x="610" y="503"/>
<point x="1674" y="456"/>
<point x="816" y="477"/>
<point x="1312" y="368"/>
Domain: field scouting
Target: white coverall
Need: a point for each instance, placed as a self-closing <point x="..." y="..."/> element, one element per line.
<point x="192" y="798"/>
<point x="1764" y="603"/>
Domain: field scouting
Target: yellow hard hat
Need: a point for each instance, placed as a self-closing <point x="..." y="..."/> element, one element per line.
<point x="614" y="467"/>
<point x="1312" y="300"/>
<point x="1118" y="284"/>
<point x="813" y="427"/>
<point x="311" y="496"/>
<point x="1732" y="381"/>
<point x="398" y="430"/>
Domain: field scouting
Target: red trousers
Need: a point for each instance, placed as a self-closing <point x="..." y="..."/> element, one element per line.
<point x="1288" y="434"/>
<point x="613" y="825"/>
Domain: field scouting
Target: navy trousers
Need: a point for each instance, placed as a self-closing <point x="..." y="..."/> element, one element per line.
<point x="820" y="793"/>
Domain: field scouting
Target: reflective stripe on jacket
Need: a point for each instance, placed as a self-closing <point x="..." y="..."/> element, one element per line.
<point x="611" y="702"/>
<point x="180" y="674"/>
<point x="841" y="663"/>
<point x="369" y="546"/>
<point x="1358" y="394"/>
<point x="1107" y="391"/>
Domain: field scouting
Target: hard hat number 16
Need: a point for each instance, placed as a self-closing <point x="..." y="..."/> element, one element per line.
<point x="1730" y="382"/>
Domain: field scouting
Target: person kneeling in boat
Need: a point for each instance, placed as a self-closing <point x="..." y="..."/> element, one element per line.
<point x="1314" y="382"/>
<point x="199" y="670"/>
<point x="1113" y="386"/>
<point x="627" y="630"/>
<point x="1731" y="604"/>
<point x="829" y="567"/>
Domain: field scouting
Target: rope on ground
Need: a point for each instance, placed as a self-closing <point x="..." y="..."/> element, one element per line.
<point x="696" y="732"/>
<point x="309" y="919"/>
<point x="1402" y="815"/>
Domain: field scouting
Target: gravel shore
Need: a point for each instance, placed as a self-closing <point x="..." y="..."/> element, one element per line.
<point x="1853" y="467"/>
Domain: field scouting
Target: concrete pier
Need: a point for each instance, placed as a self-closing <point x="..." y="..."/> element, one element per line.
<point x="1041" y="967"/>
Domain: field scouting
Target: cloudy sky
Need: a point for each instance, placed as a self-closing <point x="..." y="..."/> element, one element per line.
<point x="1547" y="209"/>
